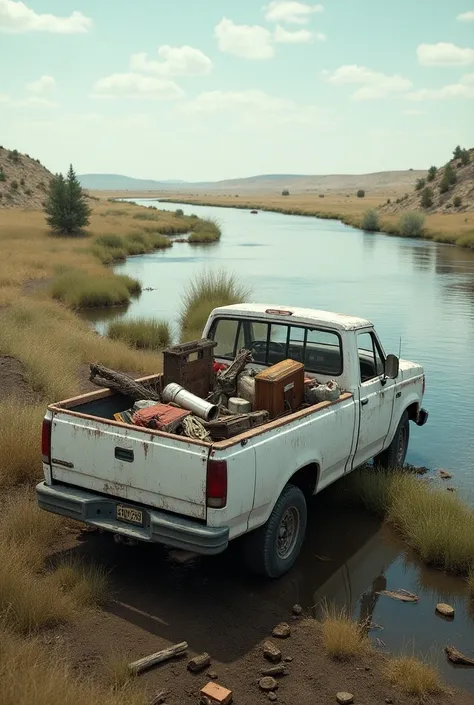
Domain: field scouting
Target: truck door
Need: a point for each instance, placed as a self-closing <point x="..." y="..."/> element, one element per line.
<point x="376" y="398"/>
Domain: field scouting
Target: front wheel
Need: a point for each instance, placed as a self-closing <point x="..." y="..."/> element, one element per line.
<point x="394" y="456"/>
<point x="272" y="549"/>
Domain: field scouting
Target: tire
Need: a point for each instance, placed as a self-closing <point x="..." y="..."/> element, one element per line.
<point x="268" y="551"/>
<point x="394" y="456"/>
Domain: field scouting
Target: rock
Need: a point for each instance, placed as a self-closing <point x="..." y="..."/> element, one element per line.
<point x="281" y="631"/>
<point x="267" y="683"/>
<point x="444" y="475"/>
<point x="367" y="668"/>
<point x="451" y="489"/>
<point x="274" y="670"/>
<point x="272" y="696"/>
<point x="345" y="698"/>
<point x="445" y="610"/>
<point x="288" y="659"/>
<point x="271" y="652"/>
<point x="388" y="701"/>
<point x="297" y="610"/>
<point x="212" y="675"/>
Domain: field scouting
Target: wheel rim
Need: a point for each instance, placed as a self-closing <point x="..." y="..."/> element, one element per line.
<point x="288" y="532"/>
<point x="401" y="447"/>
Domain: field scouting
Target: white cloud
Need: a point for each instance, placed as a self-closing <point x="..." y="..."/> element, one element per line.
<point x="174" y="61"/>
<point x="463" y="89"/>
<point x="255" y="107"/>
<point x="373" y="83"/>
<point x="133" y="85"/>
<point x="16" y="17"/>
<point x="45" y="84"/>
<point x="32" y="101"/>
<point x="283" y="36"/>
<point x="290" y="11"/>
<point x="444" y="54"/>
<point x="245" y="41"/>
<point x="466" y="16"/>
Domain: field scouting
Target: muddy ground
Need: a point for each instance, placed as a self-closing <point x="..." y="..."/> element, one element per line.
<point x="214" y="605"/>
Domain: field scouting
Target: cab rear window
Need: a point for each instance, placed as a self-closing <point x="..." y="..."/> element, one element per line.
<point x="320" y="350"/>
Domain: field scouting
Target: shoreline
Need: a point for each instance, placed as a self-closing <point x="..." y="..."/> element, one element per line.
<point x="446" y="228"/>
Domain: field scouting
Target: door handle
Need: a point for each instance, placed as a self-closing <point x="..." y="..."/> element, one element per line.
<point x="124" y="454"/>
<point x="364" y="402"/>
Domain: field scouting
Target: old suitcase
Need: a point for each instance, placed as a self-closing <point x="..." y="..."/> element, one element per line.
<point x="191" y="366"/>
<point x="280" y="388"/>
<point x="228" y="426"/>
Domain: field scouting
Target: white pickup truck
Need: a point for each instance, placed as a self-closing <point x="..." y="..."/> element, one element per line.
<point x="143" y="484"/>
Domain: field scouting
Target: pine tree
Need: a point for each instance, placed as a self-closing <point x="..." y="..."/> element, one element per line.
<point x="431" y="173"/>
<point x="66" y="208"/>
<point x="457" y="153"/>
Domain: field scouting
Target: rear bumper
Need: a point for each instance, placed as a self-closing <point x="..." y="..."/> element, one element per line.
<point x="422" y="417"/>
<point x="158" y="527"/>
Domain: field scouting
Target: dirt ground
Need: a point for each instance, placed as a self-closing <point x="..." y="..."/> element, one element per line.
<point x="212" y="604"/>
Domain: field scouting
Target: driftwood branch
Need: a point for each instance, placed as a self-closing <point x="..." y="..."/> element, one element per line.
<point x="160" y="697"/>
<point x="119" y="382"/>
<point x="146" y="662"/>
<point x="456" y="656"/>
<point x="226" y="380"/>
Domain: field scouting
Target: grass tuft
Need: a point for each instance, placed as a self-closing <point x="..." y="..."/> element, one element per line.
<point x="87" y="584"/>
<point x="205" y="230"/>
<point x="21" y="461"/>
<point x="437" y="524"/>
<point x="343" y="638"/>
<point x="204" y="293"/>
<point x="79" y="289"/>
<point x="143" y="333"/>
<point x="414" y="677"/>
<point x="117" y="671"/>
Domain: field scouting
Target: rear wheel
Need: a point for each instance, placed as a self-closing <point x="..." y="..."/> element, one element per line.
<point x="272" y="549"/>
<point x="394" y="456"/>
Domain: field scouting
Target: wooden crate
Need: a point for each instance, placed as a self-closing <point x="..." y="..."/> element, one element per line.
<point x="280" y="388"/>
<point x="191" y="366"/>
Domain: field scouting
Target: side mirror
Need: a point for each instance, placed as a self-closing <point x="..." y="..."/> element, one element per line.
<point x="392" y="366"/>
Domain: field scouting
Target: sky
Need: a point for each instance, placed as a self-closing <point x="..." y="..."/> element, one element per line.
<point x="217" y="89"/>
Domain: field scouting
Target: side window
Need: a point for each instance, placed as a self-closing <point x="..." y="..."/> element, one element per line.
<point x="323" y="352"/>
<point x="225" y="333"/>
<point x="370" y="360"/>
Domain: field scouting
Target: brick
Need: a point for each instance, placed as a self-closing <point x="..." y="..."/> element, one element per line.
<point x="217" y="694"/>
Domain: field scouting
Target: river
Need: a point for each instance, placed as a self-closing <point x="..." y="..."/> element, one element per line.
<point x="420" y="296"/>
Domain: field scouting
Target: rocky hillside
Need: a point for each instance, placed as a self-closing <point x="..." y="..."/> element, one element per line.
<point x="449" y="189"/>
<point x="23" y="180"/>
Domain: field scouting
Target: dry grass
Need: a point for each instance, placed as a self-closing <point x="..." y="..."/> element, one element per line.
<point x="414" y="677"/>
<point x="205" y="231"/>
<point x="53" y="343"/>
<point x="343" y="638"/>
<point x="79" y="289"/>
<point x="144" y="333"/>
<point x="204" y="293"/>
<point x="86" y="583"/>
<point x="437" y="524"/>
<point x="20" y="442"/>
<point x="116" y="668"/>
<point x="46" y="678"/>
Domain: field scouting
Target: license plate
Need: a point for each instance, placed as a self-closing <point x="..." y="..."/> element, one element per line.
<point x="130" y="514"/>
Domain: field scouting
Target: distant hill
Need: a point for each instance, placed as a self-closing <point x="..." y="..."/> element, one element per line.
<point x="458" y="198"/>
<point x="269" y="183"/>
<point x="23" y="180"/>
<point x="118" y="182"/>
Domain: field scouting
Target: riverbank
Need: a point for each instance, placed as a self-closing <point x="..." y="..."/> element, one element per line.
<point x="449" y="228"/>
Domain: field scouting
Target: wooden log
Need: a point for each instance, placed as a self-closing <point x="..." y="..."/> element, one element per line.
<point x="279" y="670"/>
<point x="456" y="656"/>
<point x="119" y="382"/>
<point x="199" y="662"/>
<point x="147" y="662"/>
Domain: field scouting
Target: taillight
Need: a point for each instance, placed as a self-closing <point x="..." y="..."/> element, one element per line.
<point x="216" y="484"/>
<point x="46" y="441"/>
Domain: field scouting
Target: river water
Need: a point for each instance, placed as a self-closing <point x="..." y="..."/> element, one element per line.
<point x="420" y="296"/>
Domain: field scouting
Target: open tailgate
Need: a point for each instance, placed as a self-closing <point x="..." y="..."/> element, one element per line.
<point x="132" y="464"/>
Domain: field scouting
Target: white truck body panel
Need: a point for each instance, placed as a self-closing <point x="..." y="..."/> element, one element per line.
<point x="96" y="462"/>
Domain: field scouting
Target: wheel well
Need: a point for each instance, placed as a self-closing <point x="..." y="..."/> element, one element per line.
<point x="306" y="479"/>
<point x="413" y="411"/>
